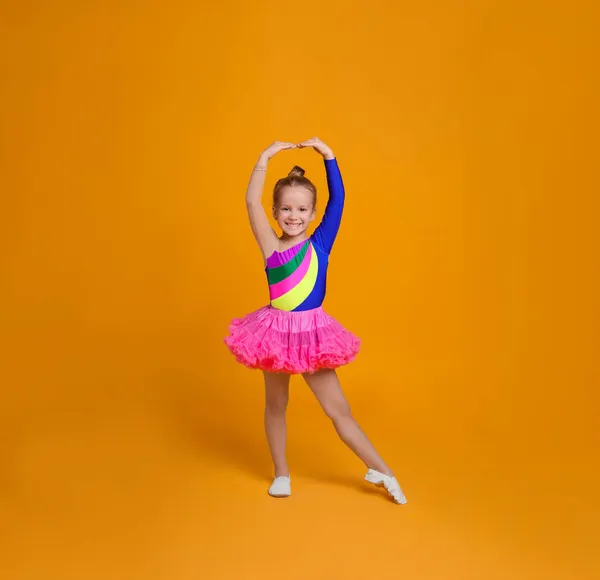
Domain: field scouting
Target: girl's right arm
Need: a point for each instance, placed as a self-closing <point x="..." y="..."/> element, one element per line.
<point x="263" y="232"/>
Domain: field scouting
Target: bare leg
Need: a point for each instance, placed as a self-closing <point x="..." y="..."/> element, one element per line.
<point x="277" y="389"/>
<point x="326" y="387"/>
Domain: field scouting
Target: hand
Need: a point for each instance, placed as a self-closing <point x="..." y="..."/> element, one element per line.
<point x="318" y="146"/>
<point x="276" y="147"/>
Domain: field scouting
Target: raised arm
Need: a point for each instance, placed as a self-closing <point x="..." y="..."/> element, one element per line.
<point x="326" y="232"/>
<point x="263" y="232"/>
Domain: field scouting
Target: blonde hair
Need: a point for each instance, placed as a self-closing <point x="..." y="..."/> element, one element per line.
<point x="294" y="177"/>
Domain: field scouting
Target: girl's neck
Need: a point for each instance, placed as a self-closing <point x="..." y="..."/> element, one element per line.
<point x="290" y="241"/>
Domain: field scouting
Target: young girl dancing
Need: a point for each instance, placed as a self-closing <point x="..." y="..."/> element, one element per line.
<point x="293" y="334"/>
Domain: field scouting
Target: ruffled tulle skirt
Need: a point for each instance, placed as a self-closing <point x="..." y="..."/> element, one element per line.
<point x="291" y="342"/>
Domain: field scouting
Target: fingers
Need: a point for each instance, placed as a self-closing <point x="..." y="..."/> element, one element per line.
<point x="281" y="145"/>
<point x="310" y="142"/>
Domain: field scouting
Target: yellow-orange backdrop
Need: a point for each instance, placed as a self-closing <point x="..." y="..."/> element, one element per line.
<point x="466" y="133"/>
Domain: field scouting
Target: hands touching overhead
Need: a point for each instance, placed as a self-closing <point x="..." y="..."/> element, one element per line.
<point x="278" y="146"/>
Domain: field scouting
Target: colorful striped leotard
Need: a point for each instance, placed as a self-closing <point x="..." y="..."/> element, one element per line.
<point x="297" y="276"/>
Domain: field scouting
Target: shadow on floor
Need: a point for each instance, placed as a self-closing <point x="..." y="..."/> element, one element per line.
<point x="214" y="424"/>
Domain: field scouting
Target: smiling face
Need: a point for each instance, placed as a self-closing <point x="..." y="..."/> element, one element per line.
<point x="295" y="210"/>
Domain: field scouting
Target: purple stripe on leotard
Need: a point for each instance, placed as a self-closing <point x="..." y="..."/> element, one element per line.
<point x="279" y="258"/>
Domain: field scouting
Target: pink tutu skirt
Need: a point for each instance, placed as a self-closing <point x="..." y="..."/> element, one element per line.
<point x="291" y="342"/>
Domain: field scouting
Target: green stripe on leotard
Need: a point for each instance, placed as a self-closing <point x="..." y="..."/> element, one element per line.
<point x="278" y="274"/>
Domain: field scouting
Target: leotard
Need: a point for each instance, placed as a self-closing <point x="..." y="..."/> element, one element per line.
<point x="297" y="277"/>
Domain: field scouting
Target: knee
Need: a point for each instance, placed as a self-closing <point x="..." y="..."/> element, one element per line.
<point x="338" y="411"/>
<point x="276" y="405"/>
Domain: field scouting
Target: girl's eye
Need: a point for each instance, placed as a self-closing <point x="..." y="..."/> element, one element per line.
<point x="303" y="209"/>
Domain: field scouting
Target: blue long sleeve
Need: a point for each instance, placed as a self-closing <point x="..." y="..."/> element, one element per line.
<point x="327" y="230"/>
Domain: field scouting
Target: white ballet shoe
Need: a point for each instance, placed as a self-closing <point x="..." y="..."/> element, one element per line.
<point x="280" y="486"/>
<point x="390" y="483"/>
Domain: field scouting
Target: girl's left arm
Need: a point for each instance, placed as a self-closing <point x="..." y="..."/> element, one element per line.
<point x="327" y="230"/>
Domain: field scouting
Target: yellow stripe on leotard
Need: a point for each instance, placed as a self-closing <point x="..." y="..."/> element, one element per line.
<point x="299" y="293"/>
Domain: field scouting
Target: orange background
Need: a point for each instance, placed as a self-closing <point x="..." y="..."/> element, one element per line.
<point x="467" y="137"/>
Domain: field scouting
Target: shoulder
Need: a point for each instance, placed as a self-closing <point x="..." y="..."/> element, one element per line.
<point x="318" y="245"/>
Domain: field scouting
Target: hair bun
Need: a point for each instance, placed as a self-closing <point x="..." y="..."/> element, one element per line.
<point x="296" y="171"/>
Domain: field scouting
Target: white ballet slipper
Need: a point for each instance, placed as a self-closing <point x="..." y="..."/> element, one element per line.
<point x="389" y="483"/>
<point x="280" y="486"/>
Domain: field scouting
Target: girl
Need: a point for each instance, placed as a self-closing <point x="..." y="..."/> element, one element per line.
<point x="293" y="334"/>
